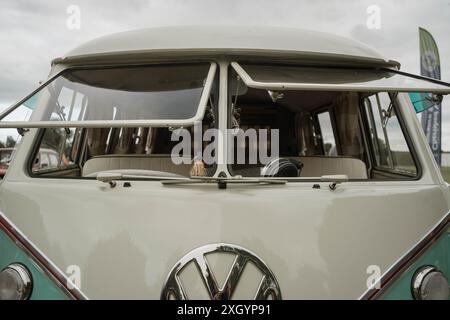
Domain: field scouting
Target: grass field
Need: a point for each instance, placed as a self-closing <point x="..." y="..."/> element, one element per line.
<point x="446" y="173"/>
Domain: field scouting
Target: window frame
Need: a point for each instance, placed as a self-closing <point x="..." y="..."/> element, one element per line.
<point x="365" y="132"/>
<point x="299" y="85"/>
<point x="214" y="87"/>
<point x="331" y="113"/>
<point x="242" y="73"/>
<point x="384" y="169"/>
<point x="37" y="143"/>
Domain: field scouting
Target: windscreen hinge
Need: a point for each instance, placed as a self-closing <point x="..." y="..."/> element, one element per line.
<point x="22" y="131"/>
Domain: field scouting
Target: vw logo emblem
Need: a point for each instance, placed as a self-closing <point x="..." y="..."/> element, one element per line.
<point x="268" y="287"/>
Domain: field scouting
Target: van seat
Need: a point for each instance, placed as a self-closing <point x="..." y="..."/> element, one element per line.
<point x="322" y="166"/>
<point x="139" y="162"/>
<point x="317" y="166"/>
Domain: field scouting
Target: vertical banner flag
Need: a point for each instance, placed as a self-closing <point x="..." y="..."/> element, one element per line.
<point x="430" y="66"/>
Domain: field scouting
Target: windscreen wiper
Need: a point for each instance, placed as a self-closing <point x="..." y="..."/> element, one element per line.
<point x="222" y="182"/>
<point x="111" y="176"/>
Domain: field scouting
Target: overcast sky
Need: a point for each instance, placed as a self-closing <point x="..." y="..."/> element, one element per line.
<point x="32" y="33"/>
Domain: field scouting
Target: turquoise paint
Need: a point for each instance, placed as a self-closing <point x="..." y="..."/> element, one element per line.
<point x="43" y="287"/>
<point x="438" y="255"/>
<point x="421" y="101"/>
<point x="31" y="103"/>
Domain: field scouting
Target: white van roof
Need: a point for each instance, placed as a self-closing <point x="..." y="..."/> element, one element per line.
<point x="200" y="41"/>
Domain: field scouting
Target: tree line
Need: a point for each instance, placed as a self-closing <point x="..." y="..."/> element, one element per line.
<point x="9" y="143"/>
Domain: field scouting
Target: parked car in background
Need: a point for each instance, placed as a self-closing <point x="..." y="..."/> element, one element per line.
<point x="5" y="157"/>
<point x="46" y="159"/>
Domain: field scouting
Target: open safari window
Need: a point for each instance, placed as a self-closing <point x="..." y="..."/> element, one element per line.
<point x="126" y="120"/>
<point x="292" y="122"/>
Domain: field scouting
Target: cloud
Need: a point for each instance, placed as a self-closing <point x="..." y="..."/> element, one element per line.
<point x="32" y="32"/>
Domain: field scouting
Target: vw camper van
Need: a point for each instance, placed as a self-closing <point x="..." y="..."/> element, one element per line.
<point x="224" y="163"/>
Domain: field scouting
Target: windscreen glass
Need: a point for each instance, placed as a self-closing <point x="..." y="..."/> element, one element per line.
<point x="157" y="92"/>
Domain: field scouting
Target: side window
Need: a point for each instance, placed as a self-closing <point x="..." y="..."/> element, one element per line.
<point x="388" y="141"/>
<point x="71" y="103"/>
<point x="377" y="133"/>
<point x="73" y="106"/>
<point x="60" y="146"/>
<point x="55" y="150"/>
<point x="327" y="133"/>
<point x="53" y="157"/>
<point x="44" y="161"/>
<point x="9" y="138"/>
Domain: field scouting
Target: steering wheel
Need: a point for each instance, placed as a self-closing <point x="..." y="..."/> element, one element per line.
<point x="282" y="167"/>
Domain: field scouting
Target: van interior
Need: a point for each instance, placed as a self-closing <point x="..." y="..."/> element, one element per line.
<point x="319" y="134"/>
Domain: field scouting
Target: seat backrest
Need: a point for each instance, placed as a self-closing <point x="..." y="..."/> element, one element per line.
<point x="138" y="162"/>
<point x="322" y="166"/>
<point x="317" y="166"/>
<point x="312" y="166"/>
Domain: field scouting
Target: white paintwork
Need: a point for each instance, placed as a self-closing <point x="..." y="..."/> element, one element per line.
<point x="317" y="242"/>
<point x="225" y="40"/>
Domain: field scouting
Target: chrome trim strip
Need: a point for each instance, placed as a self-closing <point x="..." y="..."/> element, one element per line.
<point x="402" y="264"/>
<point x="42" y="261"/>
